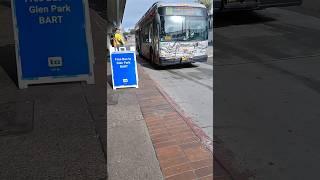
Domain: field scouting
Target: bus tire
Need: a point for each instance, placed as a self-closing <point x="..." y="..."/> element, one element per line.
<point x="140" y="53"/>
<point x="152" y="60"/>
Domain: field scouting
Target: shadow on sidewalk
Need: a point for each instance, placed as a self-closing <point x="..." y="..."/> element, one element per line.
<point x="8" y="61"/>
<point x="109" y="80"/>
<point x="16" y="118"/>
<point x="6" y="3"/>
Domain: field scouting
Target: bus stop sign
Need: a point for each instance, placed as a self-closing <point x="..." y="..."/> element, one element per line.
<point x="124" y="69"/>
<point x="53" y="41"/>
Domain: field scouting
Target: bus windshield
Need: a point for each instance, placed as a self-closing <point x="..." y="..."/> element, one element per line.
<point x="183" y="28"/>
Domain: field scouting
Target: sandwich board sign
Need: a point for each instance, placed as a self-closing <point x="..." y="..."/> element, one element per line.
<point x="53" y="41"/>
<point x="124" y="69"/>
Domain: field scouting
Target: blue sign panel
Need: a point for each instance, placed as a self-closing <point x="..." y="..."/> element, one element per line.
<point x="124" y="69"/>
<point x="52" y="38"/>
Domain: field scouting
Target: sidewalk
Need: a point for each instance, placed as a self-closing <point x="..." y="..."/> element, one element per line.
<point x="130" y="152"/>
<point x="54" y="131"/>
<point x="165" y="147"/>
<point x="59" y="130"/>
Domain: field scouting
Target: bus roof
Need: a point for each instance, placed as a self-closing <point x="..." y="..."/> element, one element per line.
<point x="162" y="4"/>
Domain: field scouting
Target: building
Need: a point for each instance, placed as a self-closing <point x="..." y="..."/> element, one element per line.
<point x="99" y="5"/>
<point x="115" y="11"/>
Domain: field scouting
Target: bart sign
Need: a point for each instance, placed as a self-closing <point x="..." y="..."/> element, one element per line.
<point x="124" y="69"/>
<point x="53" y="41"/>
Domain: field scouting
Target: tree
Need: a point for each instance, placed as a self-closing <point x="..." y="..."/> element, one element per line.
<point x="207" y="3"/>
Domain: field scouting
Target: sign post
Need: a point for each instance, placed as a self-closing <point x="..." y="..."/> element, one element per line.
<point x="53" y="41"/>
<point x="124" y="69"/>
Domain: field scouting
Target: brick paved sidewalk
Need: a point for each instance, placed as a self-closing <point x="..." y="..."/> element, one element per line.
<point x="179" y="151"/>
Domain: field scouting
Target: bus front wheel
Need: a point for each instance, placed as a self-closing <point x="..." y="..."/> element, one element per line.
<point x="152" y="60"/>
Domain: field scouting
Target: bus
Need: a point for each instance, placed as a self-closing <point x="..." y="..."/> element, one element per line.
<point x="210" y="21"/>
<point x="233" y="5"/>
<point x="173" y="33"/>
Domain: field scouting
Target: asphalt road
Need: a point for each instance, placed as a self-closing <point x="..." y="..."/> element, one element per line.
<point x="190" y="86"/>
<point x="267" y="92"/>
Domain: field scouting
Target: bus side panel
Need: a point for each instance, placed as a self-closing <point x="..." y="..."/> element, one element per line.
<point x="138" y="42"/>
<point x="146" y="43"/>
<point x="275" y="3"/>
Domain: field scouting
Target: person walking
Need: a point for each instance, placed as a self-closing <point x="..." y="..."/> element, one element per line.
<point x="118" y="40"/>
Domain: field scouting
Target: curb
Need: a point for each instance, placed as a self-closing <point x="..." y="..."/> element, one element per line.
<point x="204" y="138"/>
<point x="180" y="146"/>
<point x="222" y="162"/>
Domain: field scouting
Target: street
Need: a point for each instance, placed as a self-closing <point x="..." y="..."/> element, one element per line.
<point x="267" y="95"/>
<point x="175" y="142"/>
<point x="73" y="129"/>
<point x="253" y="105"/>
<point x="189" y="86"/>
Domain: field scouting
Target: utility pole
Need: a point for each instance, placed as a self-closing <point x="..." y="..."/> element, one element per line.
<point x="117" y="11"/>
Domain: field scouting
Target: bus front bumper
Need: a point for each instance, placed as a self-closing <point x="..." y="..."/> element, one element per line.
<point x="172" y="61"/>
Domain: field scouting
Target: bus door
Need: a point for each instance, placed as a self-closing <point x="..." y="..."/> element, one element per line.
<point x="145" y="45"/>
<point x="155" y="40"/>
<point x="149" y="40"/>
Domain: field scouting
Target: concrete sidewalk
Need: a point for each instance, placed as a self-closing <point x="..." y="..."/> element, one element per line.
<point x="149" y="139"/>
<point x="130" y="152"/>
<point x="55" y="131"/>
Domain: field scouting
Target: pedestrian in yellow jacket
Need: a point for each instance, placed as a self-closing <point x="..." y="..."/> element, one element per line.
<point x="118" y="39"/>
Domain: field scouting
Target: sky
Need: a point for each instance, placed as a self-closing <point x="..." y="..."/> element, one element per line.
<point x="136" y="8"/>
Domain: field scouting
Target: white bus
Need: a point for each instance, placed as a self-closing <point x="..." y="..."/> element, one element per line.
<point x="173" y="33"/>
